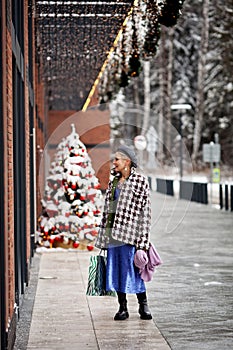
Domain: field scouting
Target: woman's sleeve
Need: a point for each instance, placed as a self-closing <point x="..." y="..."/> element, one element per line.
<point x="143" y="242"/>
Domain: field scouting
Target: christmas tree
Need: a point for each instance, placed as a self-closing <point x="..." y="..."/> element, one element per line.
<point x="72" y="200"/>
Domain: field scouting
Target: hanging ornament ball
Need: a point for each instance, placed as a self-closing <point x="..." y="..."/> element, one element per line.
<point x="140" y="142"/>
<point x="75" y="244"/>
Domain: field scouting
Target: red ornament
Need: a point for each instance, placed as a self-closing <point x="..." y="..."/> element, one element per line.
<point x="75" y="244"/>
<point x="90" y="247"/>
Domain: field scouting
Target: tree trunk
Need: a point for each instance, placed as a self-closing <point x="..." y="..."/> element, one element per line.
<point x="137" y="104"/>
<point x="199" y="111"/>
<point x="146" y="69"/>
<point x="169" y="88"/>
<point x="161" y="97"/>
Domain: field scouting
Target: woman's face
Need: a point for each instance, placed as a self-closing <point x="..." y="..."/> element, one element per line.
<point x="120" y="162"/>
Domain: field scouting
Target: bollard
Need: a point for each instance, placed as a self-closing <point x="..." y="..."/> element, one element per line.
<point x="149" y="180"/>
<point x="170" y="190"/>
<point x="226" y="198"/>
<point x="220" y="196"/>
<point x="195" y="197"/>
<point x="205" y="193"/>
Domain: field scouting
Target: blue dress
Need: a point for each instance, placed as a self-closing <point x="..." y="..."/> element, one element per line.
<point x="122" y="275"/>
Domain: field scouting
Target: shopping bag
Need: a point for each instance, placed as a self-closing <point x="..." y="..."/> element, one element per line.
<point x="96" y="285"/>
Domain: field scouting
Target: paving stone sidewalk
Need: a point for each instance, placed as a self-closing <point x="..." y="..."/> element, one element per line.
<point x="65" y="318"/>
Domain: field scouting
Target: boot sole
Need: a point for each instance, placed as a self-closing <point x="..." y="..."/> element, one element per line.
<point x="144" y="316"/>
<point x="121" y="318"/>
<point x="149" y="317"/>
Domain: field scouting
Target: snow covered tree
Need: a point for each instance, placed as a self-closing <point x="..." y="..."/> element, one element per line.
<point x="200" y="105"/>
<point x="191" y="59"/>
<point x="72" y="200"/>
<point x="218" y="84"/>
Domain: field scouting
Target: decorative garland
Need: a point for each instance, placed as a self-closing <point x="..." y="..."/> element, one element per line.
<point x="140" y="38"/>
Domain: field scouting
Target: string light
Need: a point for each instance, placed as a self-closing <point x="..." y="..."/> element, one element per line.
<point x="77" y="37"/>
<point x="78" y="45"/>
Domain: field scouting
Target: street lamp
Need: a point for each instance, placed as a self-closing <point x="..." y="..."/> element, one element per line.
<point x="181" y="107"/>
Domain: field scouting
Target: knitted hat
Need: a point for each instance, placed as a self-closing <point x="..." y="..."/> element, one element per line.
<point x="129" y="152"/>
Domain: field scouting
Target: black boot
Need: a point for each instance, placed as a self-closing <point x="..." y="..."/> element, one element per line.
<point x="143" y="307"/>
<point x="122" y="314"/>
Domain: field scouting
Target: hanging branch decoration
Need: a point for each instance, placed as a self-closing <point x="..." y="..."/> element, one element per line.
<point x="152" y="25"/>
<point x="170" y="12"/>
<point x="139" y="40"/>
<point x="124" y="78"/>
<point x="134" y="60"/>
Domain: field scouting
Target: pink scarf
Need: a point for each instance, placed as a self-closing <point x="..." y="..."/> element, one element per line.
<point x="147" y="262"/>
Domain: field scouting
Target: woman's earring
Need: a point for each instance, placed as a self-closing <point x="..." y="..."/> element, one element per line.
<point x="126" y="168"/>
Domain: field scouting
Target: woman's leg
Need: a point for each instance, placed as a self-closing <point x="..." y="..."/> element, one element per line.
<point x="122" y="314"/>
<point x="143" y="306"/>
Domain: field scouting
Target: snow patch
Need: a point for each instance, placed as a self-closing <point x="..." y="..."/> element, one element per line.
<point x="212" y="283"/>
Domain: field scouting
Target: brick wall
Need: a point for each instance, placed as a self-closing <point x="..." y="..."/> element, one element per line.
<point x="9" y="166"/>
<point x="9" y="184"/>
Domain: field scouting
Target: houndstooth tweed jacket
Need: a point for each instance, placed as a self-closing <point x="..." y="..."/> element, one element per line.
<point x="132" y="220"/>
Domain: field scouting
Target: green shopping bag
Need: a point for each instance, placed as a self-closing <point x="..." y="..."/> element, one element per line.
<point x="96" y="285"/>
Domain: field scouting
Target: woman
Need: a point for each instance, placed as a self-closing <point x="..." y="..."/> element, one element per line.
<point x="125" y="227"/>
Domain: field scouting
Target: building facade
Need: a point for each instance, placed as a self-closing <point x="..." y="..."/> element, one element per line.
<point x="25" y="125"/>
<point x="18" y="122"/>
